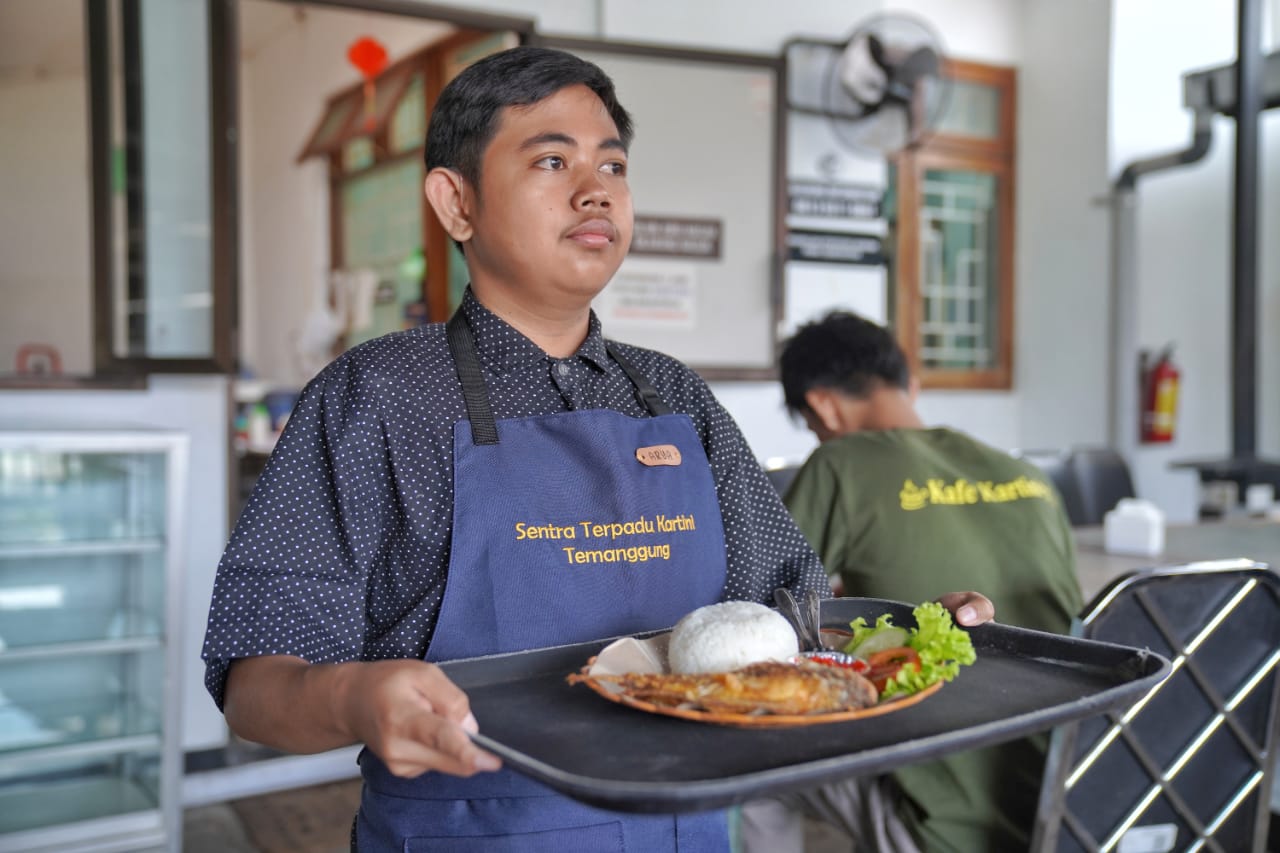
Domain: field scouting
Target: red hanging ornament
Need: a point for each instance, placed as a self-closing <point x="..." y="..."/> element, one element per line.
<point x="370" y="58"/>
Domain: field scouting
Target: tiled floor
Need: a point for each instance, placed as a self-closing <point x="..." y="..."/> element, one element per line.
<point x="318" y="820"/>
<point x="304" y="820"/>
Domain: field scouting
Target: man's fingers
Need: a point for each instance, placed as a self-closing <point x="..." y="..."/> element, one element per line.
<point x="446" y="698"/>
<point x="969" y="608"/>
<point x="437" y="744"/>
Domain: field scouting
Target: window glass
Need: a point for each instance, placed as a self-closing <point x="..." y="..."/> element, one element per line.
<point x="972" y="110"/>
<point x="170" y="306"/>
<point x="959" y="254"/>
<point x="409" y="124"/>
<point x="357" y="154"/>
<point x="381" y="231"/>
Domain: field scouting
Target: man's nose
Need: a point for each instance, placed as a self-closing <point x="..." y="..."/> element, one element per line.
<point x="592" y="193"/>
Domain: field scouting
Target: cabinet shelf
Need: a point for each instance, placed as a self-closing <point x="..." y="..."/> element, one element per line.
<point x="81" y="649"/>
<point x="79" y="750"/>
<point x="86" y="548"/>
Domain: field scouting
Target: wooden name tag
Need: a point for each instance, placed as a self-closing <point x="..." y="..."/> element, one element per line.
<point x="658" y="454"/>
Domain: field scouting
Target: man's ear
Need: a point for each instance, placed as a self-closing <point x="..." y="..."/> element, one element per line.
<point x="449" y="196"/>
<point x="913" y="389"/>
<point x="825" y="406"/>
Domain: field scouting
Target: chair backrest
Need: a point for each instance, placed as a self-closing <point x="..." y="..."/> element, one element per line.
<point x="1102" y="479"/>
<point x="1056" y="465"/>
<point x="782" y="477"/>
<point x="1189" y="766"/>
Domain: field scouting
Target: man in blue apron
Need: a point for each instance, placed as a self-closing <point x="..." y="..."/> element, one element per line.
<point x="506" y="481"/>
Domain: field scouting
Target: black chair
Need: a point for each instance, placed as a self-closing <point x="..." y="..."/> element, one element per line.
<point x="1056" y="465"/>
<point x="1190" y="765"/>
<point x="1102" y="479"/>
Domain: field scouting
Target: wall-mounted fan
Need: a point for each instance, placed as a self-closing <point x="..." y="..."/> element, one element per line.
<point x="882" y="88"/>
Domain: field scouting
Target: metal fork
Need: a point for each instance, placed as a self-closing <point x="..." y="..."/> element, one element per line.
<point x="805" y="630"/>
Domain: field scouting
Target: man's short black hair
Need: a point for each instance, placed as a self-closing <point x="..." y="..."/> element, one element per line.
<point x="465" y="117"/>
<point x="842" y="351"/>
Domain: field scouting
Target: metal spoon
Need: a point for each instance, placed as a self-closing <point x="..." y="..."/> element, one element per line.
<point x="809" y="640"/>
<point x="813" y="612"/>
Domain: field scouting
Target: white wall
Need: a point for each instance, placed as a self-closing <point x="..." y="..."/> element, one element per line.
<point x="196" y="405"/>
<point x="1269" y="273"/>
<point x="1062" y="302"/>
<point x="976" y="28"/>
<point x="44" y="220"/>
<point x="1269" y="278"/>
<point x="1183" y="231"/>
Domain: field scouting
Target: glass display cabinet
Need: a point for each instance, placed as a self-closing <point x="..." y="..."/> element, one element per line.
<point x="90" y="528"/>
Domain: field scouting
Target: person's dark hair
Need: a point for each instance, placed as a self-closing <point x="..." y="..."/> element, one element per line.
<point x="842" y="351"/>
<point x="465" y="117"/>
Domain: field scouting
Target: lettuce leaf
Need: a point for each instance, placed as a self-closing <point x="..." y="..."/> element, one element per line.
<point x="942" y="646"/>
<point x="861" y="630"/>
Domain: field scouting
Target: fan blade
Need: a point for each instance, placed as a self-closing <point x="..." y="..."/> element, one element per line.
<point x="907" y="76"/>
<point x="861" y="74"/>
<point x="922" y="62"/>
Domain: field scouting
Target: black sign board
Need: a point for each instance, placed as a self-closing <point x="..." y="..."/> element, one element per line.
<point x="834" y="201"/>
<point x="676" y="237"/>
<point x="835" y="247"/>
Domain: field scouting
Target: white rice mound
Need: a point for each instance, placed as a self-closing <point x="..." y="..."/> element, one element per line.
<point x="726" y="636"/>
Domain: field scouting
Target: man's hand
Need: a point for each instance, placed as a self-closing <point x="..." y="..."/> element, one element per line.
<point x="413" y="717"/>
<point x="408" y="712"/>
<point x="969" y="608"/>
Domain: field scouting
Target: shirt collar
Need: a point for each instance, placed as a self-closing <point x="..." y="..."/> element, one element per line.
<point x="503" y="348"/>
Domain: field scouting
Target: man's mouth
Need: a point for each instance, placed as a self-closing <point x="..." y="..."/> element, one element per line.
<point x="594" y="233"/>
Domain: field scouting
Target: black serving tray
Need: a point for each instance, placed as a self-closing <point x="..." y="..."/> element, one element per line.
<point x="616" y="757"/>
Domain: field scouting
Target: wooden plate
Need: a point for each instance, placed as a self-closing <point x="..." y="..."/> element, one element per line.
<point x="616" y="693"/>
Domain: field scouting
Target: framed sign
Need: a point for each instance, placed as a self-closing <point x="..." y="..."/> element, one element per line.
<point x="703" y="280"/>
<point x="835" y="247"/>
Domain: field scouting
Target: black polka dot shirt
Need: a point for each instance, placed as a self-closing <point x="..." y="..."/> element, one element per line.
<point x="341" y="551"/>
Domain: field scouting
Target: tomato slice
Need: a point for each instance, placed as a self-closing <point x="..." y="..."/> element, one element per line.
<point x="887" y="663"/>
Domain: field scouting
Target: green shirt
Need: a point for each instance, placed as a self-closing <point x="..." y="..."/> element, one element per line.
<point x="909" y="514"/>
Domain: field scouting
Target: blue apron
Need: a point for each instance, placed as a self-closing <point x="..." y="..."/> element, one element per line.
<point x="566" y="528"/>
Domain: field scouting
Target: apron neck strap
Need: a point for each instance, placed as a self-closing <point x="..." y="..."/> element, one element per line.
<point x="483" y="428"/>
<point x="644" y="388"/>
<point x="463" y="346"/>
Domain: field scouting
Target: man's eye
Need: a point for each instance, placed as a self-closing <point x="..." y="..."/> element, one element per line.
<point x="615" y="168"/>
<point x="552" y="162"/>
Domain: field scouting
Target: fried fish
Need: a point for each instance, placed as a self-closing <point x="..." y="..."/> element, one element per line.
<point x="770" y="687"/>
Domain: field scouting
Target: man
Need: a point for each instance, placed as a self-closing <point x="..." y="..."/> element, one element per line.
<point x="461" y="490"/>
<point x="900" y="511"/>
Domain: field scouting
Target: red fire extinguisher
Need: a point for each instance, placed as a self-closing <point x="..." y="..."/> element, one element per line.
<point x="1160" y="398"/>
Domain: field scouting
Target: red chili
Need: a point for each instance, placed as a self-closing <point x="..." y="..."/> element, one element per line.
<point x="841" y="660"/>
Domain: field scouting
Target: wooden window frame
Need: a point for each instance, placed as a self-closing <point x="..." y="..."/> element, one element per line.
<point x="949" y="151"/>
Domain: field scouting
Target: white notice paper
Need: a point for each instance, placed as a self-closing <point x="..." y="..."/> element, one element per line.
<point x="651" y="294"/>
